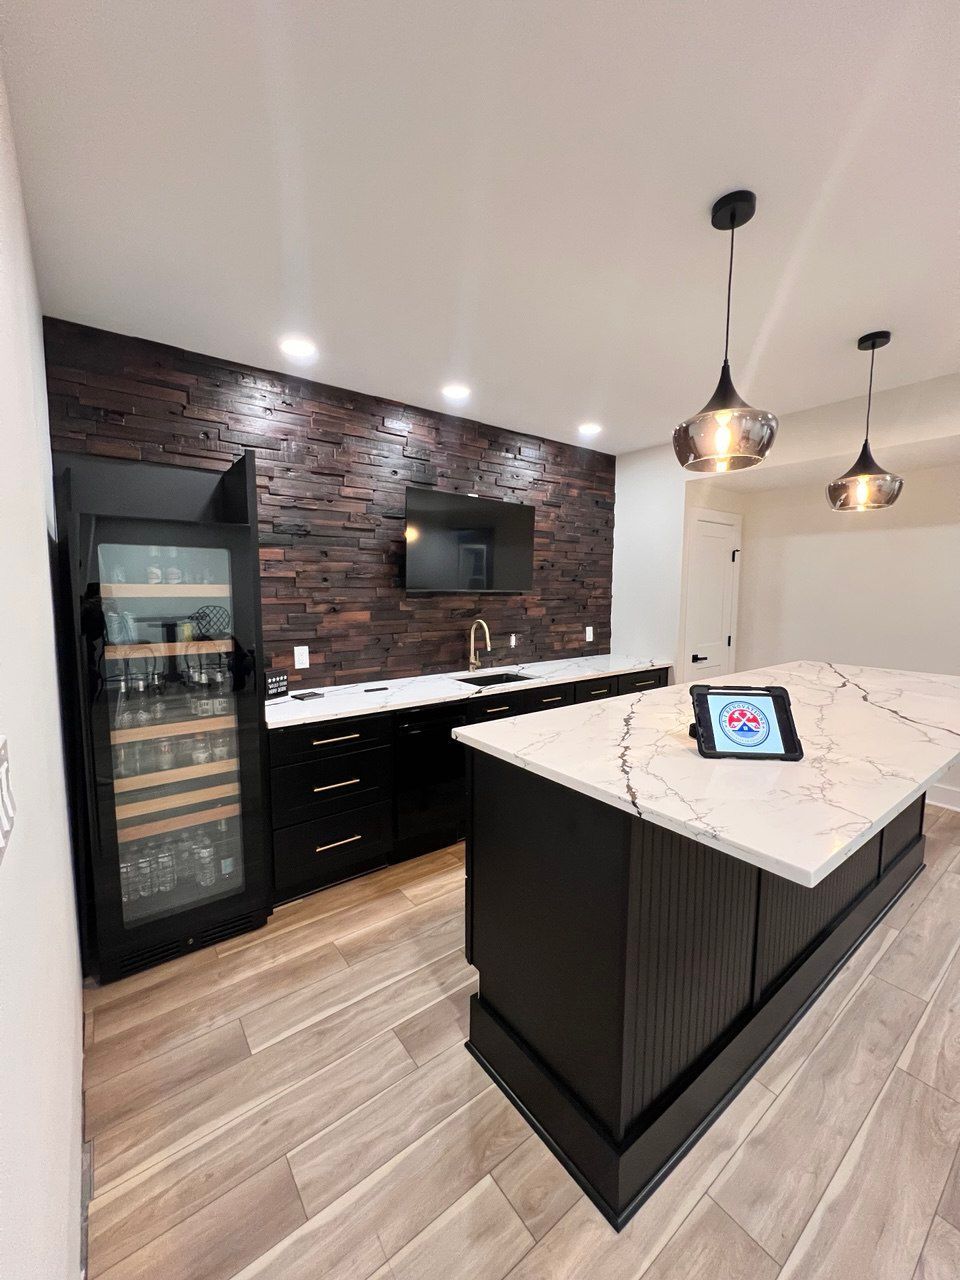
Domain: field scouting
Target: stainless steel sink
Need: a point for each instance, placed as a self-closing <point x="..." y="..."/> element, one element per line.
<point x="496" y="677"/>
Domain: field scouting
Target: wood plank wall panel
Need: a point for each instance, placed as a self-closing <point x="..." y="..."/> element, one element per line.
<point x="792" y="917"/>
<point x="332" y="467"/>
<point x="695" y="956"/>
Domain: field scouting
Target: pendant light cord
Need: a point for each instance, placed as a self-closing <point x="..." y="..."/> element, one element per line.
<point x="873" y="353"/>
<point x="726" y="335"/>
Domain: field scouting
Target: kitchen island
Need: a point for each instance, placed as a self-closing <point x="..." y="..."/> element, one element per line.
<point x="649" y="924"/>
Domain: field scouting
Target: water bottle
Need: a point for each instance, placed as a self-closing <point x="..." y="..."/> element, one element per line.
<point x="184" y="858"/>
<point x="219" y="694"/>
<point x="154" y="567"/>
<point x="144" y="876"/>
<point x="229" y="863"/>
<point x="126" y="880"/>
<point x="124" y="717"/>
<point x="155" y="697"/>
<point x="201" y="701"/>
<point x="166" y="870"/>
<point x="206" y="863"/>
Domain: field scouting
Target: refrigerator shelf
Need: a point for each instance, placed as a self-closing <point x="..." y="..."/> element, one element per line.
<point x="163" y="590"/>
<point x="200" y="724"/>
<point x="160" y="777"/>
<point x="176" y="823"/>
<point x="166" y="649"/>
<point x="176" y="800"/>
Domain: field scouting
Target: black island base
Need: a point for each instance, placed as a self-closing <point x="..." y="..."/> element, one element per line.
<point x="632" y="980"/>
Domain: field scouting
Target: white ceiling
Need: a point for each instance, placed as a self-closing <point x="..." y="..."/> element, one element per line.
<point x="512" y="193"/>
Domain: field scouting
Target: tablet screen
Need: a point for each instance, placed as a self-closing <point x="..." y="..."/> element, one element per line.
<point x="746" y="725"/>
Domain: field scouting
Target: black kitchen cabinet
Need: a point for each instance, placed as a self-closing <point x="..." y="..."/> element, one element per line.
<point x="593" y="690"/>
<point x="554" y="695"/>
<point x="352" y="795"/>
<point x="430" y="786"/>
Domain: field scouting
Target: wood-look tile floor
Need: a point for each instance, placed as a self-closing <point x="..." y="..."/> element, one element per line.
<point x="297" y="1104"/>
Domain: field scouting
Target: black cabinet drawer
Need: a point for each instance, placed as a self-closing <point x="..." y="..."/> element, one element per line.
<point x="329" y="737"/>
<point x="555" y="695"/>
<point x="330" y="784"/>
<point x="637" y="681"/>
<point x="314" y="854"/>
<point x="495" y="707"/>
<point x="594" y="690"/>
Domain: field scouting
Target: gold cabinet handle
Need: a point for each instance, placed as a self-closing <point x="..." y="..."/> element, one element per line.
<point x="558" y="698"/>
<point x="335" y="844"/>
<point x="490" y="710"/>
<point x="332" y="786"/>
<point x="345" y="737"/>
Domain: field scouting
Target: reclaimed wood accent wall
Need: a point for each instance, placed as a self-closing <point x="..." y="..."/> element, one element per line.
<point x="332" y="468"/>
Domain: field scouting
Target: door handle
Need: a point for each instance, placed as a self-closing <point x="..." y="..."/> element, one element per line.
<point x="695" y="657"/>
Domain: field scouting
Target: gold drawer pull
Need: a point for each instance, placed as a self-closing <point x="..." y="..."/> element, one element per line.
<point x="332" y="786"/>
<point x="594" y="692"/>
<point x="491" y="710"/>
<point x="322" y="848"/>
<point x="346" y="737"/>
<point x="558" y="698"/>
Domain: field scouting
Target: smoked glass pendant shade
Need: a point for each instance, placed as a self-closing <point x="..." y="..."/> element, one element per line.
<point x="727" y="434"/>
<point x="865" y="487"/>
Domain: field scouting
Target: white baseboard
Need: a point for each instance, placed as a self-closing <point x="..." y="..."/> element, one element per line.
<point x="947" y="797"/>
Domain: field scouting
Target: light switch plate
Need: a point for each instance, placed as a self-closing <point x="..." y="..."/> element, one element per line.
<point x="301" y="656"/>
<point x="589" y="634"/>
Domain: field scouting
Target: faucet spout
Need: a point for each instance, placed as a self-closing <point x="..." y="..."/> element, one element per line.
<point x="474" y="660"/>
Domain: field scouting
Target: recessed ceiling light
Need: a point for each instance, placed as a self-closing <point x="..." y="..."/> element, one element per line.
<point x="588" y="429"/>
<point x="455" y="392"/>
<point x="295" y="347"/>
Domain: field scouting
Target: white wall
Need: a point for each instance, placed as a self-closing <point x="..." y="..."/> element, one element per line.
<point x="647" y="550"/>
<point x="880" y="588"/>
<point x="40" y="1019"/>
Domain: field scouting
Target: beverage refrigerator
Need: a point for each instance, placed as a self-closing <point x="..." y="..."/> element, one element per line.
<point x="160" y="647"/>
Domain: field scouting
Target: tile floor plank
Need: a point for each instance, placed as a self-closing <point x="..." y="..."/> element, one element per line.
<point x="443" y="882"/>
<point x="812" y="1123"/>
<point x="918" y="958"/>
<point x="940" y="1259"/>
<point x="412" y="924"/>
<point x="120" y="1097"/>
<point x="933" y="1052"/>
<point x="300" y="1009"/>
<point x="583" y="1244"/>
<point x="139" y="1210"/>
<point x="479" y="1237"/>
<point x="126" y="1149"/>
<point x="216" y="1242"/>
<point x="783" y="1064"/>
<point x="405" y="1195"/>
<point x="328" y="1165"/>
<point x="874" y="1217"/>
<point x="937" y="860"/>
<point x="181" y="1018"/>
<point x="711" y="1246"/>
<point x="445" y="1023"/>
<point x="537" y="1185"/>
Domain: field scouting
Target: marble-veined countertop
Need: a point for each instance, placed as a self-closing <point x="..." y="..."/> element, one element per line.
<point x="421" y="691"/>
<point x="873" y="741"/>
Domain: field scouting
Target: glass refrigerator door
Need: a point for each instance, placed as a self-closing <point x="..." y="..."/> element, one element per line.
<point x="175" y="775"/>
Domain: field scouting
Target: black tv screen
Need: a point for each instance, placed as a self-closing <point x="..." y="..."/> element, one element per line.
<point x="468" y="545"/>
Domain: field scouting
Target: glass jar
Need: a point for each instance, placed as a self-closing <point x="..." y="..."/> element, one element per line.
<point x="201" y="752"/>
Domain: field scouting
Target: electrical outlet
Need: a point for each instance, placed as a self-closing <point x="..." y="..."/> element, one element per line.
<point x="513" y="639"/>
<point x="589" y="634"/>
<point x="301" y="656"/>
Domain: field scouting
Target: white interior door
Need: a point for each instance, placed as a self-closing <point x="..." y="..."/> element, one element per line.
<point x="710" y="590"/>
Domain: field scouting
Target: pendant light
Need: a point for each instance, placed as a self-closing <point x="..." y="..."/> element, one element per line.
<point x="866" y="486"/>
<point x="727" y="434"/>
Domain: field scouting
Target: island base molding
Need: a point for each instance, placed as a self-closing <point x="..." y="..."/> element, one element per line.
<point x="632" y="981"/>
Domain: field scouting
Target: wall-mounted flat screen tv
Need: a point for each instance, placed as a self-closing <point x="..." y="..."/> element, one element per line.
<point x="467" y="545"/>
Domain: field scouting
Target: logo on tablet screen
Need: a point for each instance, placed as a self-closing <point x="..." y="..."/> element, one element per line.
<point x="744" y="724"/>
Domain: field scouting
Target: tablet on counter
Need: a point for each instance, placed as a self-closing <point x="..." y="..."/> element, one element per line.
<point x="744" y="722"/>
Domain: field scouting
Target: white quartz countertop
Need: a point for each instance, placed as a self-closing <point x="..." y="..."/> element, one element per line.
<point x="873" y="741"/>
<point x="421" y="691"/>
